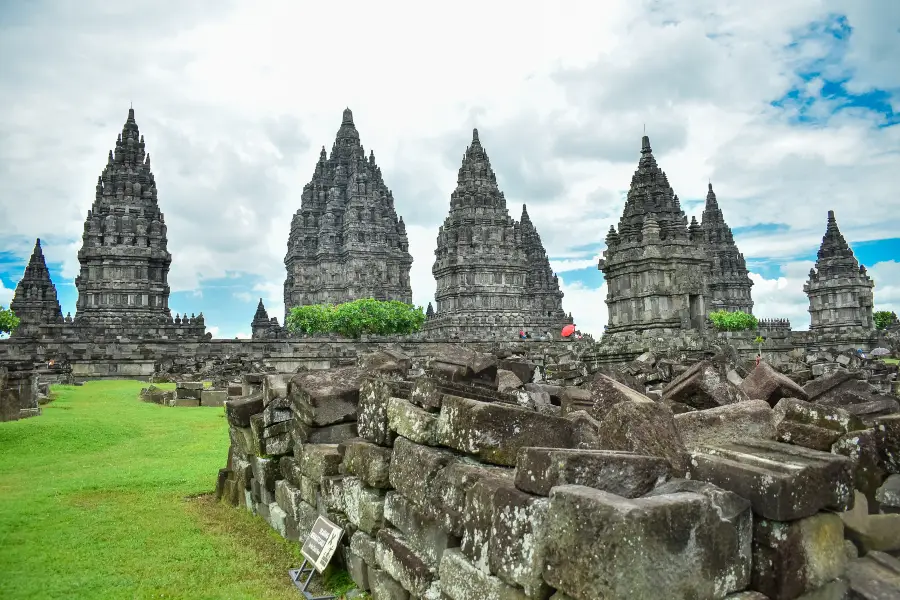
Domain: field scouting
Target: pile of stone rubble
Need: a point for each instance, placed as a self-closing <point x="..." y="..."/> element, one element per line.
<point x="460" y="477"/>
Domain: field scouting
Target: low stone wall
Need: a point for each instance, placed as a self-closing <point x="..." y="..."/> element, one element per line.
<point x="18" y="391"/>
<point x="449" y="487"/>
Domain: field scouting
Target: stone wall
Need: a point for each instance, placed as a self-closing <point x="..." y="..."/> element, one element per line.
<point x="18" y="391"/>
<point x="456" y="476"/>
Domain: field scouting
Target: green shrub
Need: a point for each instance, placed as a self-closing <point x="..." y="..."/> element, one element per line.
<point x="360" y="317"/>
<point x="884" y="318"/>
<point x="732" y="321"/>
<point x="8" y="320"/>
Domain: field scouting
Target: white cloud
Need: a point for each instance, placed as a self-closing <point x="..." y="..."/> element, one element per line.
<point x="6" y="295"/>
<point x="213" y="330"/>
<point x="235" y="103"/>
<point x="886" y="276"/>
<point x="587" y="305"/>
<point x="242" y="336"/>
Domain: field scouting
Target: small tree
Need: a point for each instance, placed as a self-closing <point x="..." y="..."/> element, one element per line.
<point x="360" y="317"/>
<point x="884" y="319"/>
<point x="8" y="320"/>
<point x="760" y="340"/>
<point x="738" y="320"/>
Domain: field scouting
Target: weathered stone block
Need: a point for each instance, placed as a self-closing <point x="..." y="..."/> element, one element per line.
<point x="495" y="432"/>
<point x="458" y="363"/>
<point x="368" y="461"/>
<point x="575" y="399"/>
<point x="235" y="389"/>
<point x="326" y="396"/>
<point x="422" y="534"/>
<point x="275" y="386"/>
<point x="888" y="431"/>
<point x="445" y="498"/>
<point x="871" y="532"/>
<point x="319" y="460"/>
<point x="461" y="580"/>
<point x="793" y="558"/>
<point x="239" y="411"/>
<point x="331" y="492"/>
<point x="765" y="383"/>
<point x="189" y="385"/>
<point x="412" y="422"/>
<point x="750" y="419"/>
<point x="782" y="482"/>
<point x="600" y="545"/>
<point x="400" y="561"/>
<point x="363" y="545"/>
<point x="861" y="447"/>
<point x="645" y="428"/>
<point x="242" y="440"/>
<point x="705" y="385"/>
<point x="479" y="519"/>
<point x="330" y="434"/>
<point x="278" y="445"/>
<point x="414" y="467"/>
<point x="606" y="392"/>
<point x="359" y="572"/>
<point x="266" y="471"/>
<point x="364" y="506"/>
<point x="812" y="425"/>
<point x="278" y="411"/>
<point x="372" y="417"/>
<point x="213" y="398"/>
<point x="874" y="577"/>
<point x="622" y="473"/>
<point x="309" y="491"/>
<point x="888" y="495"/>
<point x="516" y="552"/>
<point x="187" y="402"/>
<point x="385" y="587"/>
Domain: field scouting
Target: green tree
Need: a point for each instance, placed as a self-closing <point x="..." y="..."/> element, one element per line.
<point x="884" y="318"/>
<point x="738" y="320"/>
<point x="360" y="317"/>
<point x="8" y="320"/>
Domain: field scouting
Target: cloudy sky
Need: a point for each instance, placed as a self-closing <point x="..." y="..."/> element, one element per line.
<point x="790" y="108"/>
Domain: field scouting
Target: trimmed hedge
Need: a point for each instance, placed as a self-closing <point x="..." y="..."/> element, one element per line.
<point x="360" y="317"/>
<point x="733" y="321"/>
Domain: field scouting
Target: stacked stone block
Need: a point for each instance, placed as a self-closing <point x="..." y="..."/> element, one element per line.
<point x="18" y="391"/>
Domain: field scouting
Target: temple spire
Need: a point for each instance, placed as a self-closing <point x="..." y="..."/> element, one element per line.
<point x="711" y="202"/>
<point x="35" y="301"/>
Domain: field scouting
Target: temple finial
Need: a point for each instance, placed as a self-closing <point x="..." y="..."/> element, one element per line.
<point x="645" y="145"/>
<point x="475" y="136"/>
<point x="348" y="117"/>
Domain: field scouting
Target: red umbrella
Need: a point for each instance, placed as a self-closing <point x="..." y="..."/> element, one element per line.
<point x="568" y="330"/>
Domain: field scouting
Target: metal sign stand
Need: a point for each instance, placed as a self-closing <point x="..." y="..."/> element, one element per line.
<point x="301" y="578"/>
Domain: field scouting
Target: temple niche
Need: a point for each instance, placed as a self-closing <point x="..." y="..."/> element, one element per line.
<point x="35" y="301"/>
<point x="492" y="273"/>
<point x="839" y="289"/>
<point x="346" y="241"/>
<point x="124" y="256"/>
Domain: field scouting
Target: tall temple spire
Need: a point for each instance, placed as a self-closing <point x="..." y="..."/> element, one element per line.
<point x="35" y="301"/>
<point x="346" y="241"/>
<point x="729" y="281"/>
<point x="492" y="273"/>
<point x="838" y="287"/>
<point x="124" y="257"/>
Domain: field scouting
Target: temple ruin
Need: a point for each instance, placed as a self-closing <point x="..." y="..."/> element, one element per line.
<point x="492" y="273"/>
<point x="346" y="240"/>
<point x="662" y="274"/>
<point x="839" y="290"/>
<point x="35" y="302"/>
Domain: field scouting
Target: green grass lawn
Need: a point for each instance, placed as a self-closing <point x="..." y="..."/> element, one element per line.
<point x="105" y="496"/>
<point x="891" y="361"/>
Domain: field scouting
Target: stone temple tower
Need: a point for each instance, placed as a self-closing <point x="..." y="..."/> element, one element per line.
<point x="492" y="273"/>
<point x="124" y="257"/>
<point x="35" y="302"/>
<point x="839" y="290"/>
<point x="346" y="241"/>
<point x="729" y="281"/>
<point x="656" y="266"/>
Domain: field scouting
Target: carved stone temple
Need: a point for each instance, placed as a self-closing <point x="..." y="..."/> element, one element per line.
<point x="346" y="241"/>
<point x="839" y="289"/>
<point x="492" y="273"/>
<point x="123" y="288"/>
<point x="663" y="274"/>
<point x="729" y="280"/>
<point x="35" y="301"/>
